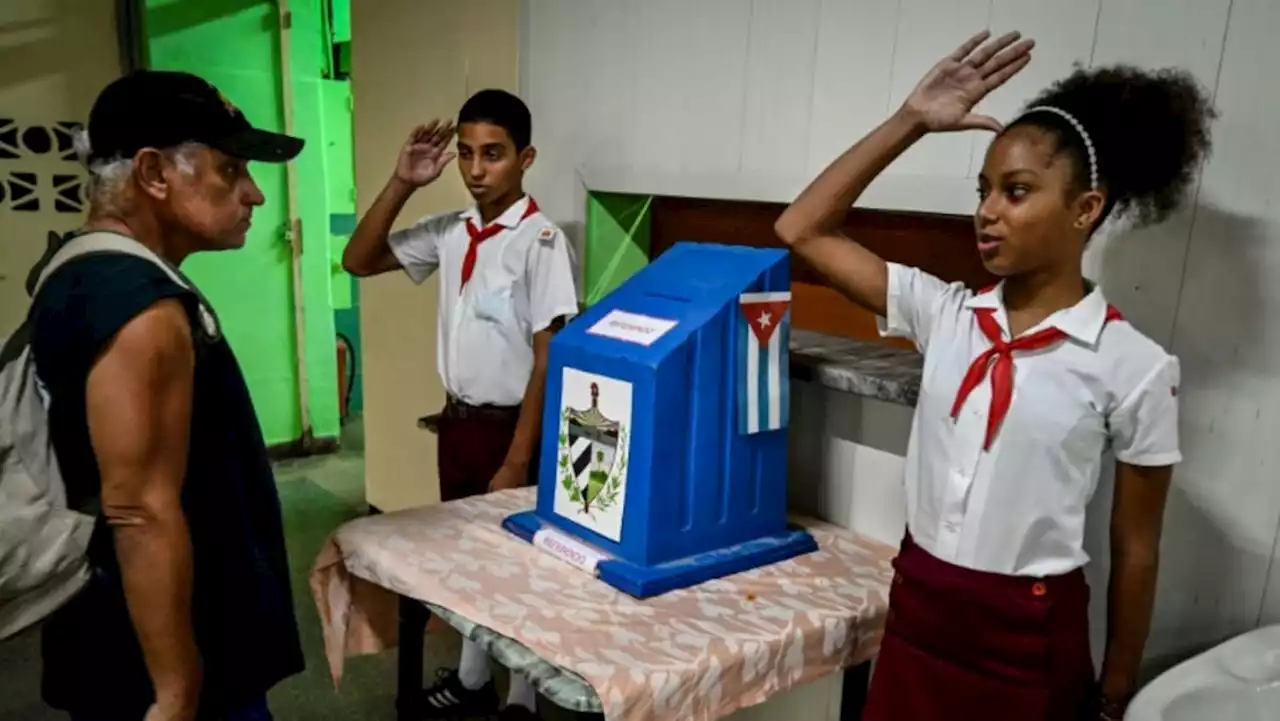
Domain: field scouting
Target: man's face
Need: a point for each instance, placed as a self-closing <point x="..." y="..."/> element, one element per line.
<point x="211" y="198"/>
<point x="487" y="158"/>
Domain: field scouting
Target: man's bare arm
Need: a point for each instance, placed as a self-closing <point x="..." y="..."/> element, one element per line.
<point x="138" y="400"/>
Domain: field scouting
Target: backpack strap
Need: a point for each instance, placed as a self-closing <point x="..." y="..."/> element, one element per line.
<point x="106" y="242"/>
<point x="52" y="244"/>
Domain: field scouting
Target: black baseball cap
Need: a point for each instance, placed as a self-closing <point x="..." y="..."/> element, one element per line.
<point x="163" y="109"/>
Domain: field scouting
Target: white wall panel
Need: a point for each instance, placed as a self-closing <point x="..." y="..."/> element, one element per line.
<point x="927" y="31"/>
<point x="850" y="75"/>
<point x="847" y="459"/>
<point x="780" y="85"/>
<point x="1227" y="498"/>
<point x="688" y="84"/>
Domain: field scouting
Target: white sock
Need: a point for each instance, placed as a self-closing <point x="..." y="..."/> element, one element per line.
<point x="521" y="692"/>
<point x="473" y="667"/>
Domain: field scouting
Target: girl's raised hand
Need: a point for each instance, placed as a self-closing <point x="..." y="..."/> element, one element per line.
<point x="944" y="99"/>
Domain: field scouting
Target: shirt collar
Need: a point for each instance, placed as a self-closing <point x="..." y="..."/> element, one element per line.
<point x="510" y="217"/>
<point x="1083" y="321"/>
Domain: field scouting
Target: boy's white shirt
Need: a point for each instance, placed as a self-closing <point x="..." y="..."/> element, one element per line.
<point x="522" y="281"/>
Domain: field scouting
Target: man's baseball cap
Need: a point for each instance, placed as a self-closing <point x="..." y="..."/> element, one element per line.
<point x="163" y="109"/>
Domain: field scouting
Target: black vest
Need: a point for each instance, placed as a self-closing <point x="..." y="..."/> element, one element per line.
<point x="243" y="607"/>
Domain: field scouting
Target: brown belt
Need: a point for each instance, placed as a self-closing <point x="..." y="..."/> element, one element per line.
<point x="454" y="408"/>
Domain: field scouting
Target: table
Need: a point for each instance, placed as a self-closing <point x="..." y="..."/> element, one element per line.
<point x="699" y="653"/>
<point x="560" y="686"/>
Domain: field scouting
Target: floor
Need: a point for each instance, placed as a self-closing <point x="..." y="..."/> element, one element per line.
<point x="318" y="495"/>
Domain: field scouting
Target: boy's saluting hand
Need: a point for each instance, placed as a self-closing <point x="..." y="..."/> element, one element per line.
<point x="424" y="155"/>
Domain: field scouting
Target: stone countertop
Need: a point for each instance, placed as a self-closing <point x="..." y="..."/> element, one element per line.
<point x="866" y="369"/>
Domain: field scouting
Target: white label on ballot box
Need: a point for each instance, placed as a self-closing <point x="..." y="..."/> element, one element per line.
<point x="567" y="549"/>
<point x="632" y="327"/>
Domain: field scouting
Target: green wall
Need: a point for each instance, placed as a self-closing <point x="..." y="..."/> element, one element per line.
<point x="235" y="44"/>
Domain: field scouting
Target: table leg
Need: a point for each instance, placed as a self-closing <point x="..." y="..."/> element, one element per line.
<point x="412" y="637"/>
<point x="854" y="692"/>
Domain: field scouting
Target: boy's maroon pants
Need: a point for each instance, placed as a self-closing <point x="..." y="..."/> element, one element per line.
<point x="473" y="445"/>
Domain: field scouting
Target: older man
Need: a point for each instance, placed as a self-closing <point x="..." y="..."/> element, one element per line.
<point x="189" y="614"/>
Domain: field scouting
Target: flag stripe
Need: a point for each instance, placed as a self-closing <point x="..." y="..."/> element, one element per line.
<point x="753" y="381"/>
<point x="784" y="371"/>
<point x="740" y="351"/>
<point x="762" y="387"/>
<point x="775" y="383"/>
<point x="764" y="297"/>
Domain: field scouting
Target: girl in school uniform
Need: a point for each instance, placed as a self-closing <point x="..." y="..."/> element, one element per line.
<point x="1025" y="386"/>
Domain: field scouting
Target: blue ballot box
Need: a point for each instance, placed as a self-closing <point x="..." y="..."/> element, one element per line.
<point x="664" y="448"/>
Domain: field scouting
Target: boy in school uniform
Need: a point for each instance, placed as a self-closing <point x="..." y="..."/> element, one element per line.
<point x="506" y="285"/>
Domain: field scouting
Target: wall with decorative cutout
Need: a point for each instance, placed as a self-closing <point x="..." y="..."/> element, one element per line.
<point x="26" y="191"/>
<point x="53" y="62"/>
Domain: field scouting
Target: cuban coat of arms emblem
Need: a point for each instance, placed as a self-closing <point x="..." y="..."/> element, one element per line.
<point x="591" y="469"/>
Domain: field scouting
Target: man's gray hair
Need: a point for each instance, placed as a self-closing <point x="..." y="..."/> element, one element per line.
<point x="108" y="187"/>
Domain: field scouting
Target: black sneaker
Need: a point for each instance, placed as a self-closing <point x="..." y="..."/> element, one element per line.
<point x="449" y="699"/>
<point x="517" y="713"/>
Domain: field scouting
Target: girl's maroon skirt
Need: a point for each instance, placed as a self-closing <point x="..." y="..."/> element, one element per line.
<point x="962" y="644"/>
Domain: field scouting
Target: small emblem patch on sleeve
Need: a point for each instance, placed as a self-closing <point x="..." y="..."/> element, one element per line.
<point x="547" y="236"/>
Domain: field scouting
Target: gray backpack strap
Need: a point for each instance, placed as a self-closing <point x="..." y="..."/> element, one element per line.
<point x="107" y="242"/>
<point x="104" y="242"/>
<point x="53" y="243"/>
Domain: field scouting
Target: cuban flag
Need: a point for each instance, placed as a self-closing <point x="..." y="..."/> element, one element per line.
<point x="764" y="376"/>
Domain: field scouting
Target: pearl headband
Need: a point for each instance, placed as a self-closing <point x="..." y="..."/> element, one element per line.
<point x="1088" y="142"/>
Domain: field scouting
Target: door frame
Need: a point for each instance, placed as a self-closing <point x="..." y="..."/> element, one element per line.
<point x="131" y="37"/>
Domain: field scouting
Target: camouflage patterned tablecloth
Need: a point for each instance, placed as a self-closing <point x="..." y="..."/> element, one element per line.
<point x="697" y="654"/>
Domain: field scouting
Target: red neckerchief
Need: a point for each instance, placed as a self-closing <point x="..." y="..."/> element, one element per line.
<point x="1002" y="373"/>
<point x="479" y="235"/>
